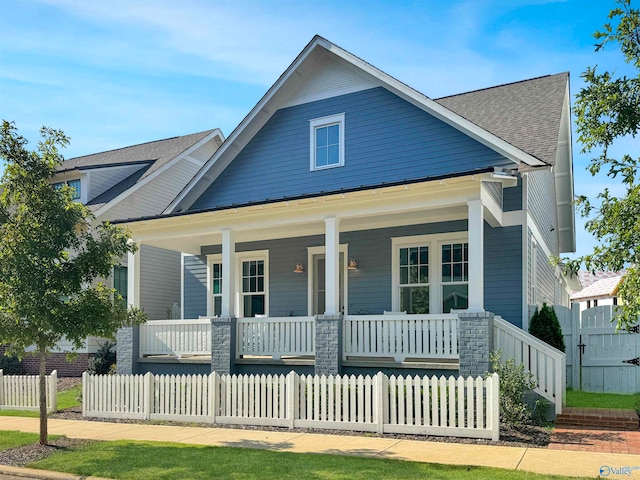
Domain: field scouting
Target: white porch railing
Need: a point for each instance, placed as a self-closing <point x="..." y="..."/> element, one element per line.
<point x="464" y="407"/>
<point x="175" y="337"/>
<point x="547" y="364"/>
<point x="276" y="336"/>
<point x="433" y="336"/>
<point x="22" y="392"/>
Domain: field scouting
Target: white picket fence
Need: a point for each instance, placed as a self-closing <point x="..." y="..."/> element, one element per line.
<point x="276" y="337"/>
<point x="401" y="336"/>
<point x="22" y="392"/>
<point x="547" y="364"/>
<point x="411" y="405"/>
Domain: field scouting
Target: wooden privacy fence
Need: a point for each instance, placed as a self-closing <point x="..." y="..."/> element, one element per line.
<point x="22" y="392"/>
<point x="412" y="405"/>
<point x="546" y="364"/>
<point x="401" y="336"/>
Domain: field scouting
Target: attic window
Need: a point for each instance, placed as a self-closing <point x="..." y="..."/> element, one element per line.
<point x="75" y="184"/>
<point x="326" y="136"/>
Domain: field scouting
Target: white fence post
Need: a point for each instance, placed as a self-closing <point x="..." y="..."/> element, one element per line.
<point x="85" y="392"/>
<point x="292" y="397"/>
<point x="214" y="395"/>
<point x="148" y="395"/>
<point x="378" y="402"/>
<point x="1" y="388"/>
<point x="53" y="391"/>
<point x="493" y="404"/>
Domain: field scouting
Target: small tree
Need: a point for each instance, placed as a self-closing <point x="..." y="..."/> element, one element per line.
<point x="545" y="326"/>
<point x="51" y="258"/>
<point x="515" y="382"/>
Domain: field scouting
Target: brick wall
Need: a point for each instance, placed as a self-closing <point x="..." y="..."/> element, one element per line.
<point x="55" y="361"/>
<point x="328" y="344"/>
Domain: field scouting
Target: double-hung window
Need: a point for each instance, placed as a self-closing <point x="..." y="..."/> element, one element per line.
<point x="216" y="288"/>
<point x="430" y="273"/>
<point x="455" y="276"/>
<point x="120" y="281"/>
<point x="327" y="142"/>
<point x="253" y="284"/>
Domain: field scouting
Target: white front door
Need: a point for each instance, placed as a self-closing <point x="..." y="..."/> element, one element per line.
<point x="318" y="283"/>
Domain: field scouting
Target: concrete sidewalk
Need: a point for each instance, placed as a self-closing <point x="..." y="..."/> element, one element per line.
<point x="539" y="460"/>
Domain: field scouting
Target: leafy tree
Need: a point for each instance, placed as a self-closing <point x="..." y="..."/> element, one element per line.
<point x="546" y="326"/>
<point x="52" y="255"/>
<point x="608" y="109"/>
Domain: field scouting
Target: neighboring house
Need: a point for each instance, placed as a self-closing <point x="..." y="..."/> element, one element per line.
<point x="131" y="182"/>
<point x="345" y="195"/>
<point x="599" y="289"/>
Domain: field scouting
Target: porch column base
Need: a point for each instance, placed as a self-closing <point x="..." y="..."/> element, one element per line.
<point x="475" y="342"/>
<point x="328" y="339"/>
<point x="127" y="350"/>
<point x="223" y="345"/>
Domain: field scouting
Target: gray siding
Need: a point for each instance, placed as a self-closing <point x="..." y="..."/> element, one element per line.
<point x="512" y="197"/>
<point x="195" y="286"/>
<point x="159" y="281"/>
<point x="541" y="203"/>
<point x="386" y="140"/>
<point x="545" y="281"/>
<point x="503" y="272"/>
<point x="495" y="191"/>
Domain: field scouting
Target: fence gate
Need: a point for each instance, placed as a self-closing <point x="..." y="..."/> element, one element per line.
<point x="603" y="360"/>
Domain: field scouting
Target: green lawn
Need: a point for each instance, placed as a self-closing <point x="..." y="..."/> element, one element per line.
<point x="134" y="460"/>
<point x="602" y="400"/>
<point x="16" y="439"/>
<point x="66" y="399"/>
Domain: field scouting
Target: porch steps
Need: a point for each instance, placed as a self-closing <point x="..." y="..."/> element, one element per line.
<point x="605" y="418"/>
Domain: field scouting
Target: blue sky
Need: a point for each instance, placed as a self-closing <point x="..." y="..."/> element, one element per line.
<point x="116" y="73"/>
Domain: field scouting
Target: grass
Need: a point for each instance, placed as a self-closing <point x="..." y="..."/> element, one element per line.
<point x="16" y="439"/>
<point x="576" y="398"/>
<point x="134" y="460"/>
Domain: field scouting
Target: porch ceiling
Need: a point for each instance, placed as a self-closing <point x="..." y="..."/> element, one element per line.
<point x="376" y="208"/>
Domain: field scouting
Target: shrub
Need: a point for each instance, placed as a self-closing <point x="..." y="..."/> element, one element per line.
<point x="545" y="326"/>
<point x="10" y="365"/>
<point x="514" y="383"/>
<point x="101" y="362"/>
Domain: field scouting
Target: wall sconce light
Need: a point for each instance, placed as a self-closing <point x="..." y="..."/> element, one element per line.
<point x="299" y="268"/>
<point x="353" y="265"/>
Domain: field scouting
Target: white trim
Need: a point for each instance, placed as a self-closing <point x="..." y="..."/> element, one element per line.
<point x="321" y="250"/>
<point x="294" y="75"/>
<point x="107" y="206"/>
<point x="434" y="242"/>
<point x="211" y="259"/>
<point x="182" y="256"/>
<point x="337" y="119"/>
<point x="244" y="257"/>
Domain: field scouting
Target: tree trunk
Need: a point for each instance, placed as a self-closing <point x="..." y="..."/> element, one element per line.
<point x="43" y="394"/>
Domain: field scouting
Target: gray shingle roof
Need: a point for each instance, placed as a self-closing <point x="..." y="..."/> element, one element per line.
<point x="159" y="151"/>
<point x="526" y="114"/>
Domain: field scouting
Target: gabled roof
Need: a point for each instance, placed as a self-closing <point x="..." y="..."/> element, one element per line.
<point x="158" y="152"/>
<point x="587" y="278"/>
<point x="301" y="68"/>
<point x="526" y="114"/>
<point x="607" y="287"/>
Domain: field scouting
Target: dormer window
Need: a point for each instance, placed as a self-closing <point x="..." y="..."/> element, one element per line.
<point x="327" y="142"/>
<point x="75" y="184"/>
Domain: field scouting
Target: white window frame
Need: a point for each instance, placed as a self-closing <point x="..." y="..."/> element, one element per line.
<point x="81" y="197"/>
<point x="245" y="257"/>
<point x="211" y="259"/>
<point x="321" y="122"/>
<point x="434" y="242"/>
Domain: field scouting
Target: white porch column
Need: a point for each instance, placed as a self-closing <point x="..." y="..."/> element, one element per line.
<point x="332" y="262"/>
<point x="133" y="278"/>
<point x="476" y="255"/>
<point x="228" y="273"/>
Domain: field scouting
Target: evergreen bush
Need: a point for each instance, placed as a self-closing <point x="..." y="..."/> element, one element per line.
<point x="545" y="326"/>
<point x="10" y="365"/>
<point x="101" y="362"/>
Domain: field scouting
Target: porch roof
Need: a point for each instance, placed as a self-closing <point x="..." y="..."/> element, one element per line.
<point x="358" y="209"/>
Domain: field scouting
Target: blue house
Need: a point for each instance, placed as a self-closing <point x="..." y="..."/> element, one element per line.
<point x="351" y="222"/>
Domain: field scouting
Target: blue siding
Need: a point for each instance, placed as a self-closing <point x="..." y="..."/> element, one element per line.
<point x="369" y="286"/>
<point x="503" y="272"/>
<point x="195" y="286"/>
<point x="386" y="140"/>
